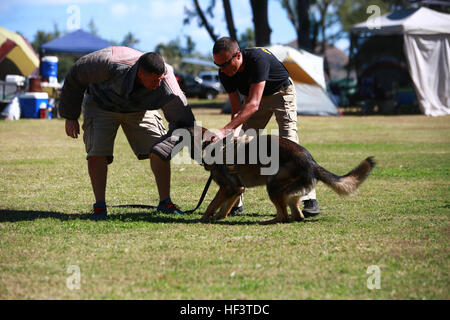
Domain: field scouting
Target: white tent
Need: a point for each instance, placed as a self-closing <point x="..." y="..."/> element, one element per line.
<point x="306" y="70"/>
<point x="426" y="36"/>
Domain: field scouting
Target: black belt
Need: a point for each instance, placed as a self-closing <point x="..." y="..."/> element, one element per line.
<point x="286" y="83"/>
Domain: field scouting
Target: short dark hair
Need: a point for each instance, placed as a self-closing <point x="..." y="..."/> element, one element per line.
<point x="225" y="44"/>
<point x="152" y="62"/>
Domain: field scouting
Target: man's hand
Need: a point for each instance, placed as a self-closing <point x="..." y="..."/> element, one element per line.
<point x="219" y="134"/>
<point x="72" y="128"/>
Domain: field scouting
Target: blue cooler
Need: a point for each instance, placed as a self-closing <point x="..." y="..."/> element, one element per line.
<point x="49" y="68"/>
<point x="31" y="103"/>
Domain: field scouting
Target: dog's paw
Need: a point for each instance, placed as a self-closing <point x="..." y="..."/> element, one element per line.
<point x="218" y="216"/>
<point x="296" y="219"/>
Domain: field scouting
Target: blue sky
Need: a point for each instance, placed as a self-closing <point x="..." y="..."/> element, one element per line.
<point x="150" y="21"/>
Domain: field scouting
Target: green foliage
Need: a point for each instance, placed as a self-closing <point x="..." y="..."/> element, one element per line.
<point x="190" y="45"/>
<point x="172" y="52"/>
<point x="92" y="27"/>
<point x="64" y="65"/>
<point x="42" y="37"/>
<point x="247" y="38"/>
<point x="129" y="40"/>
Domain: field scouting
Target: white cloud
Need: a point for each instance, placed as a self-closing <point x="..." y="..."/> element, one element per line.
<point x="121" y="9"/>
<point x="166" y="11"/>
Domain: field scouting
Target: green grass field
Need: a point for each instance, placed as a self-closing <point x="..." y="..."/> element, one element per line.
<point x="398" y="220"/>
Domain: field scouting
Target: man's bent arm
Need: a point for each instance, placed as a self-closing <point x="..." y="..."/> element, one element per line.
<point x="250" y="107"/>
<point x="91" y="68"/>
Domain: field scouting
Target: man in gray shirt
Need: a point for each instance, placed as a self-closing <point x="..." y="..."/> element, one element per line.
<point x="120" y="86"/>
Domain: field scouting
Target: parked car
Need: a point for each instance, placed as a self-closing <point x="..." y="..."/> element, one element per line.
<point x="205" y="88"/>
<point x="211" y="78"/>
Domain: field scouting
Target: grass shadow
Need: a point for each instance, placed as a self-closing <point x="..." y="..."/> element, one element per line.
<point x="153" y="217"/>
<point x="137" y="216"/>
<point x="30" y="215"/>
<point x="233" y="222"/>
<point x="261" y="217"/>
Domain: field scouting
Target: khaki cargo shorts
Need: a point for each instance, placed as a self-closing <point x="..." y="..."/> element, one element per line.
<point x="142" y="129"/>
<point x="283" y="104"/>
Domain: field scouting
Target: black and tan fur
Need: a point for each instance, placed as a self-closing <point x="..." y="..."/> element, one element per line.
<point x="298" y="174"/>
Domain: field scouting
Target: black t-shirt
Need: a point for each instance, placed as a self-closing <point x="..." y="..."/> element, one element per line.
<point x="259" y="65"/>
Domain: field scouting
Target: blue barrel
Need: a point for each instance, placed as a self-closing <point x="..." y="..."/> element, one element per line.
<point x="49" y="68"/>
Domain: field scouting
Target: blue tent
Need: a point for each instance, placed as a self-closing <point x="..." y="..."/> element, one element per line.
<point x="78" y="42"/>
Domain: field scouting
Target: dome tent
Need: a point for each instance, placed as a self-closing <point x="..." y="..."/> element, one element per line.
<point x="16" y="55"/>
<point x="306" y="70"/>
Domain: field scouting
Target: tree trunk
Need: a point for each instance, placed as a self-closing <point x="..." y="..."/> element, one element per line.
<point x="229" y="19"/>
<point x="303" y="32"/>
<point x="205" y="21"/>
<point x="323" y="14"/>
<point x="261" y="22"/>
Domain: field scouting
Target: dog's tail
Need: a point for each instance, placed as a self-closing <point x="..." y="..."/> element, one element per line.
<point x="348" y="183"/>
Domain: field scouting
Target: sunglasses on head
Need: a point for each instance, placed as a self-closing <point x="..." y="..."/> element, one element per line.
<point x="227" y="63"/>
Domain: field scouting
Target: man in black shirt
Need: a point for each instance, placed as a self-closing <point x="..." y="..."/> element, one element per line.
<point x="267" y="88"/>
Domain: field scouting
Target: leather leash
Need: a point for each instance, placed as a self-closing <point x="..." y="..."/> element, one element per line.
<point x="202" y="197"/>
<point x="143" y="206"/>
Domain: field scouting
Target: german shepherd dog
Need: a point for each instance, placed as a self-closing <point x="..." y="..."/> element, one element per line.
<point x="296" y="176"/>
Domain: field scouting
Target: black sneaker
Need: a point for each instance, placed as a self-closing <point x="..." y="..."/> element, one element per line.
<point x="99" y="211"/>
<point x="310" y="208"/>
<point x="169" y="207"/>
<point x="236" y="211"/>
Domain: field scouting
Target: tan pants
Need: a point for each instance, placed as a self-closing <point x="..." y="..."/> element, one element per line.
<point x="282" y="104"/>
<point x="142" y="129"/>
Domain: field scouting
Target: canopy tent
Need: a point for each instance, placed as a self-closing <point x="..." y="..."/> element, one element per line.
<point x="78" y="42"/>
<point x="426" y="35"/>
<point x="306" y="70"/>
<point x="16" y="55"/>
